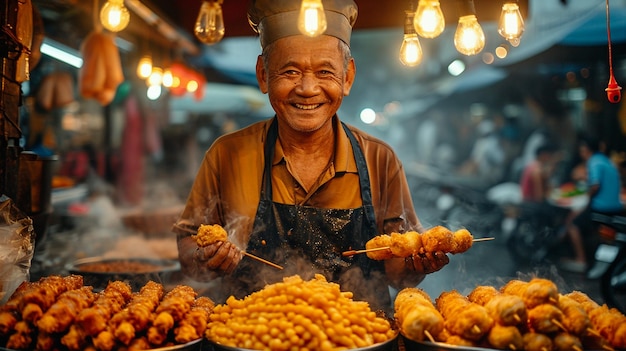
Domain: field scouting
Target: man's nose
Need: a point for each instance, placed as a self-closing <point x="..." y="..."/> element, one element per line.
<point x="309" y="84"/>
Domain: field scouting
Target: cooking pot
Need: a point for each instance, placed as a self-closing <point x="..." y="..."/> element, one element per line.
<point x="98" y="271"/>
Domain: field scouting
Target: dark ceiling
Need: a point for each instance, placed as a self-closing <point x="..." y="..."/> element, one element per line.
<point x="68" y="21"/>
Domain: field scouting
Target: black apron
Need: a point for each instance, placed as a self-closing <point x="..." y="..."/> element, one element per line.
<point x="307" y="240"/>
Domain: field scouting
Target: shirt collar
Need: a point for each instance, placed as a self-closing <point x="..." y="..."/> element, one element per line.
<point x="344" y="158"/>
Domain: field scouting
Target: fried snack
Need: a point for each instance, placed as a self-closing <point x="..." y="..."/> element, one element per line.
<point x="438" y="238"/>
<point x="209" y="234"/>
<point x="482" y="294"/>
<point x="536" y="342"/>
<point x="64" y="311"/>
<point x="406" y="244"/>
<point x="22" y="338"/>
<point x="297" y="314"/>
<point x="459" y="341"/>
<point x="576" y="320"/>
<point x="462" y="317"/>
<point x="416" y="316"/>
<point x="610" y="323"/>
<point x="505" y="337"/>
<point x="546" y="318"/>
<point x="376" y="242"/>
<point x="567" y="342"/>
<point x="194" y="323"/>
<point x="174" y="306"/>
<point x="134" y="318"/>
<point x="535" y="292"/>
<point x="463" y="241"/>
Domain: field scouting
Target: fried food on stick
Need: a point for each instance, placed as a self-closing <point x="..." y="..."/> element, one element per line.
<point x="536" y="342"/>
<point x="22" y="338"/>
<point x="108" y="302"/>
<point x="503" y="308"/>
<point x="438" y="238"/>
<point x="567" y="342"/>
<point x="194" y="323"/>
<point x="576" y="320"/>
<point x="610" y="323"/>
<point x="406" y="244"/>
<point x="210" y="234"/>
<point x="535" y="292"/>
<point x="416" y="315"/>
<point x="64" y="311"/>
<point x="174" y="306"/>
<point x="463" y="241"/>
<point x="379" y="241"/>
<point x="462" y="317"/>
<point x="505" y="337"/>
<point x="482" y="294"/>
<point x="546" y="318"/>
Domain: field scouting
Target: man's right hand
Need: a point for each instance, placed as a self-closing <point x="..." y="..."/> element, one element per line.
<point x="222" y="256"/>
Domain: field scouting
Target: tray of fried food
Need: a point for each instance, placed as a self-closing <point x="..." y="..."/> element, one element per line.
<point x="297" y="314"/>
<point x="531" y="315"/>
<point x="61" y="313"/>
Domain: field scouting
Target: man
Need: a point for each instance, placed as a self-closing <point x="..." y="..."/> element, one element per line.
<point x="535" y="180"/>
<point x="603" y="188"/>
<point x="301" y="188"/>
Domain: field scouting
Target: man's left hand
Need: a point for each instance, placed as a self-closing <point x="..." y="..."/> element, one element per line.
<point x="427" y="263"/>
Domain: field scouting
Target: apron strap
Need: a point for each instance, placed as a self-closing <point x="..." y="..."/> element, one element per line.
<point x="364" y="177"/>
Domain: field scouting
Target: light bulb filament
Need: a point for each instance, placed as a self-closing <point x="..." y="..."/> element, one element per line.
<point x="469" y="38"/>
<point x="429" y="20"/>
<point x="114" y="16"/>
<point x="312" y="19"/>
<point x="209" y="27"/>
<point x="511" y="24"/>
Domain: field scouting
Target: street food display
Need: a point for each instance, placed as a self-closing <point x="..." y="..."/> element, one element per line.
<point x="520" y="315"/>
<point x="297" y="314"/>
<point x="61" y="313"/>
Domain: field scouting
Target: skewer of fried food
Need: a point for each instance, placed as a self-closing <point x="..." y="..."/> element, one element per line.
<point x="355" y="252"/>
<point x="254" y="257"/>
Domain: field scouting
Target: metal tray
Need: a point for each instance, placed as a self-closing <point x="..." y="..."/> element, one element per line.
<point x="196" y="345"/>
<point x="389" y="345"/>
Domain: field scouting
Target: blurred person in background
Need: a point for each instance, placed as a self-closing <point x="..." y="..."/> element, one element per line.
<point x="603" y="188"/>
<point x="536" y="179"/>
<point x="302" y="187"/>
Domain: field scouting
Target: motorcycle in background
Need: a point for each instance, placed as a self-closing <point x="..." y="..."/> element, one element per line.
<point x="610" y="259"/>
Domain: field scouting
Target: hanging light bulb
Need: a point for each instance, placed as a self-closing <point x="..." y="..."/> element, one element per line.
<point x="429" y="20"/>
<point x="469" y="38"/>
<point x="156" y="76"/>
<point x="168" y="78"/>
<point x="312" y="19"/>
<point x="209" y="27"/>
<point x="144" y="67"/>
<point x="411" y="50"/>
<point x="511" y="24"/>
<point x="114" y="16"/>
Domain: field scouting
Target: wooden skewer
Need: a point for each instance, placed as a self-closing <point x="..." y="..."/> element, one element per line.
<point x="354" y="252"/>
<point x="262" y="260"/>
<point x="429" y="336"/>
<point x="191" y="231"/>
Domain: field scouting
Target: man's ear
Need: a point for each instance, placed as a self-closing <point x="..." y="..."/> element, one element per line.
<point x="349" y="78"/>
<point x="261" y="75"/>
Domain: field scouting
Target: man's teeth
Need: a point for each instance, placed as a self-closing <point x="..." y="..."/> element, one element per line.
<point x="307" y="107"/>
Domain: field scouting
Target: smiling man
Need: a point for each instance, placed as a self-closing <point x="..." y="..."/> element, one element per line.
<point x="302" y="187"/>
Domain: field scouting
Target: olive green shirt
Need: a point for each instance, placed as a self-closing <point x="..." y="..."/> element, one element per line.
<point x="227" y="188"/>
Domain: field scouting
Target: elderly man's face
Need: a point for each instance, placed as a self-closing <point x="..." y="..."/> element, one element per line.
<point x="306" y="80"/>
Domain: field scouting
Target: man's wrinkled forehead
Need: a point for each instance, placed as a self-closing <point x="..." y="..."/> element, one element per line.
<point x="275" y="19"/>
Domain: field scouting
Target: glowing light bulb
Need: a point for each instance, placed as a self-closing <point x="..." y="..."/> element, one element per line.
<point x="144" y="67"/>
<point x="168" y="78"/>
<point x="469" y="38"/>
<point x="312" y="19"/>
<point x="209" y="27"/>
<point x="429" y="20"/>
<point x="114" y="16"/>
<point x="156" y="76"/>
<point x="511" y="24"/>
<point x="411" y="50"/>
